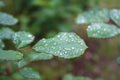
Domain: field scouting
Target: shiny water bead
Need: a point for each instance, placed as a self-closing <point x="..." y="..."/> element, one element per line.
<point x="102" y="30"/>
<point x="115" y="16"/>
<point x="66" y="45"/>
<point x="95" y="15"/>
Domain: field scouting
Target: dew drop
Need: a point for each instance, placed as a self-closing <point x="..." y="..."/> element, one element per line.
<point x="73" y="48"/>
<point x="46" y="44"/>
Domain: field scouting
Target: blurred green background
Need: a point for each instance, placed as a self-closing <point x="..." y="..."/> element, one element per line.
<point x="45" y="18"/>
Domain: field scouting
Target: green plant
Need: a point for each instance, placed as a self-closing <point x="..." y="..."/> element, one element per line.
<point x="65" y="44"/>
<point x="73" y="46"/>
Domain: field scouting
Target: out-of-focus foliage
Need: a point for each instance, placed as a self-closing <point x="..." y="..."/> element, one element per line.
<point x="10" y="55"/>
<point x="30" y="73"/>
<point x="102" y="30"/>
<point x="7" y="19"/>
<point x="96" y="15"/>
<point x="47" y="17"/>
<point x="71" y="77"/>
<point x="6" y="33"/>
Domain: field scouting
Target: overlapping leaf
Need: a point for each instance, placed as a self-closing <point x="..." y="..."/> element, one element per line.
<point x="96" y="15"/>
<point x="22" y="39"/>
<point x="33" y="56"/>
<point x="10" y="55"/>
<point x="1" y="44"/>
<point x="6" y="33"/>
<point x="115" y="16"/>
<point x="30" y="73"/>
<point x="102" y="30"/>
<point x="7" y="19"/>
<point x="66" y="45"/>
<point x="71" y="77"/>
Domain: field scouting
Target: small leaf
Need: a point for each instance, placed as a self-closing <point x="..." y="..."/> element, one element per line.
<point x="66" y="45"/>
<point x="22" y="63"/>
<point x="115" y="16"/>
<point x="102" y="30"/>
<point x="7" y="19"/>
<point x="22" y="39"/>
<point x="71" y="77"/>
<point x="96" y="15"/>
<point x="34" y="56"/>
<point x="1" y="44"/>
<point x="6" y="33"/>
<point x="10" y="55"/>
<point x="30" y="73"/>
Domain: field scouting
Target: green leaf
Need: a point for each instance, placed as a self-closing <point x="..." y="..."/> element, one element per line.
<point x="71" y="77"/>
<point x="96" y="15"/>
<point x="33" y="56"/>
<point x="22" y="63"/>
<point x="22" y="39"/>
<point x="115" y="16"/>
<point x="30" y="73"/>
<point x="1" y="44"/>
<point x="10" y="55"/>
<point x="6" y="33"/>
<point x="102" y="30"/>
<point x="66" y="45"/>
<point x="7" y="19"/>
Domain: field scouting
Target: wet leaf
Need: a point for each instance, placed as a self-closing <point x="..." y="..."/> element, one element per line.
<point x="30" y="73"/>
<point x="6" y="33"/>
<point x="7" y="19"/>
<point x="66" y="45"/>
<point x="115" y="16"/>
<point x="22" y="39"/>
<point x="96" y="15"/>
<point x="33" y="56"/>
<point x="22" y="63"/>
<point x="1" y="44"/>
<point x="10" y="55"/>
<point x="102" y="30"/>
<point x="71" y="77"/>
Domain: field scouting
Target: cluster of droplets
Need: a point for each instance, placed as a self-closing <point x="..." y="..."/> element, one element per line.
<point x="102" y="30"/>
<point x="96" y="15"/>
<point x="65" y="45"/>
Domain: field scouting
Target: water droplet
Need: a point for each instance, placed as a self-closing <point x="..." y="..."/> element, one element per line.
<point x="29" y="35"/>
<point x="46" y="44"/>
<point x="73" y="48"/>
